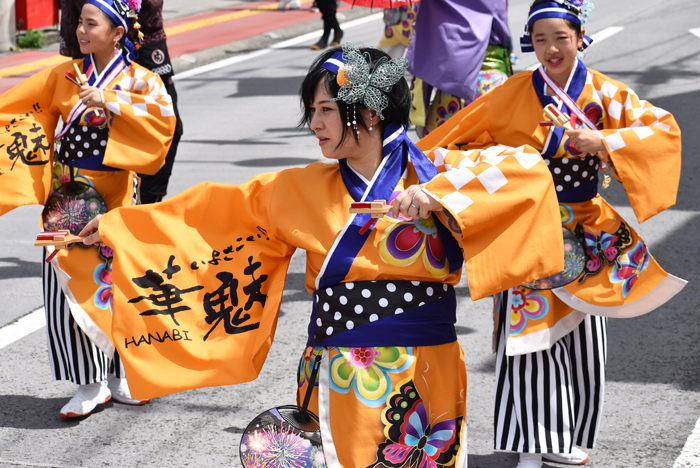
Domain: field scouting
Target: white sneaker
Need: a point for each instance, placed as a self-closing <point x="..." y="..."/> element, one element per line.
<point x="576" y="457"/>
<point x="530" y="460"/>
<point x="120" y="391"/>
<point x="87" y="398"/>
<point x="295" y="5"/>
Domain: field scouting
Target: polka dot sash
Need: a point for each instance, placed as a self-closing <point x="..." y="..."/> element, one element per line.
<point x="570" y="173"/>
<point x="82" y="141"/>
<point x="346" y="306"/>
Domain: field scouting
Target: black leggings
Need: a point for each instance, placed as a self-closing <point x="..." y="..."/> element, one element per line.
<point x="330" y="22"/>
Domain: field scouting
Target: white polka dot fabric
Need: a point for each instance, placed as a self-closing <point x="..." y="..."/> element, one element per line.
<point x="570" y="173"/>
<point x="346" y="306"/>
<point x="82" y="141"/>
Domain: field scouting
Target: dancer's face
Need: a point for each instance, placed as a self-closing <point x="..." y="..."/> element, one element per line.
<point x="327" y="124"/>
<point x="96" y="34"/>
<point x="556" y="44"/>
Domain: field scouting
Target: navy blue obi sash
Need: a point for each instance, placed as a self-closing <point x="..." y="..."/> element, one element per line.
<point x="584" y="192"/>
<point x="383" y="313"/>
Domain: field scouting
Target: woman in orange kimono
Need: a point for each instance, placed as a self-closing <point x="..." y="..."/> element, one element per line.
<point x="198" y="279"/>
<point x="118" y="123"/>
<point x="550" y="339"/>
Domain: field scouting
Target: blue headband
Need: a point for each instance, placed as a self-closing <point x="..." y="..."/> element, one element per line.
<point x="119" y="12"/>
<point x="553" y="10"/>
<point x="335" y="63"/>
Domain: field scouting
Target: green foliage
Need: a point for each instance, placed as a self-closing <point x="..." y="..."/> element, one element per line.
<point x="32" y="39"/>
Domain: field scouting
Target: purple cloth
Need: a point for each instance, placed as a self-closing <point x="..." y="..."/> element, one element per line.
<point x="450" y="39"/>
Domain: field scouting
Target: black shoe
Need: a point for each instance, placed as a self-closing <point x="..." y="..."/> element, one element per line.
<point x="321" y="44"/>
<point x="337" y="36"/>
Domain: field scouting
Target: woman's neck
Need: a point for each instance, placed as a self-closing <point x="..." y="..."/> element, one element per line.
<point x="101" y="60"/>
<point x="368" y="159"/>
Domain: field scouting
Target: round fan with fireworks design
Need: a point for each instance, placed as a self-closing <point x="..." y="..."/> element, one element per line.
<point x="285" y="437"/>
<point x="71" y="207"/>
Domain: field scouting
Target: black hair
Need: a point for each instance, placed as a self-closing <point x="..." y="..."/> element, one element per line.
<point x="399" y="97"/>
<point x="572" y="9"/>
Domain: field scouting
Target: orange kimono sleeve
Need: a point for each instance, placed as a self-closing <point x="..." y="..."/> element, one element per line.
<point x="644" y="144"/>
<point x="504" y="203"/>
<point x="143" y="122"/>
<point x="197" y="285"/>
<point x="28" y="119"/>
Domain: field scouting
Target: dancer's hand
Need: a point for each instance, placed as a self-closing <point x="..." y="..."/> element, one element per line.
<point x="91" y="96"/>
<point x="585" y="141"/>
<point x="415" y="203"/>
<point x="91" y="230"/>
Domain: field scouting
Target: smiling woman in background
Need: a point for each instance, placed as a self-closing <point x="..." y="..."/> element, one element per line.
<point x="551" y="342"/>
<point x="118" y="122"/>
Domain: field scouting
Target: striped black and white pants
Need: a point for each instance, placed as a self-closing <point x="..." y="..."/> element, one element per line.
<point x="72" y="355"/>
<point x="550" y="400"/>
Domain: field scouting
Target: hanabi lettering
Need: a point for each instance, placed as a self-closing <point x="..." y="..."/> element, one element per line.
<point x="172" y="335"/>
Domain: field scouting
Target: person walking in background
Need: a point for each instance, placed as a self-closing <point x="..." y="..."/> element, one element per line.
<point x="328" y="9"/>
<point x="153" y="55"/>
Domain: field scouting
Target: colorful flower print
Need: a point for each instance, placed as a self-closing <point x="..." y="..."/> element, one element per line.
<point x="90" y="118"/>
<point x="630" y="265"/>
<point x="595" y="113"/>
<point x="603" y="248"/>
<point x="406" y="241"/>
<point x="103" y="277"/>
<point x="61" y="175"/>
<point x="444" y="113"/>
<point x="306" y="365"/>
<point x="412" y="438"/>
<point x="566" y="212"/>
<point x="367" y="370"/>
<point x="489" y="80"/>
<point x="105" y="252"/>
<point x="408" y="18"/>
<point x="526" y="304"/>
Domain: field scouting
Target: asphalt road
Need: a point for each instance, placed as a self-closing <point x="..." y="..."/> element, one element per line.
<point x="241" y="120"/>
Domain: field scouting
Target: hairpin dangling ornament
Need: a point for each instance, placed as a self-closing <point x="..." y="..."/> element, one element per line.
<point x="134" y="8"/>
<point x="137" y="27"/>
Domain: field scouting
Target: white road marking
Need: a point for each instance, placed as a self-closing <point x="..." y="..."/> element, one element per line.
<point x="261" y="52"/>
<point x="690" y="456"/>
<point x="695" y="31"/>
<point x="598" y="37"/>
<point x="17" y="330"/>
